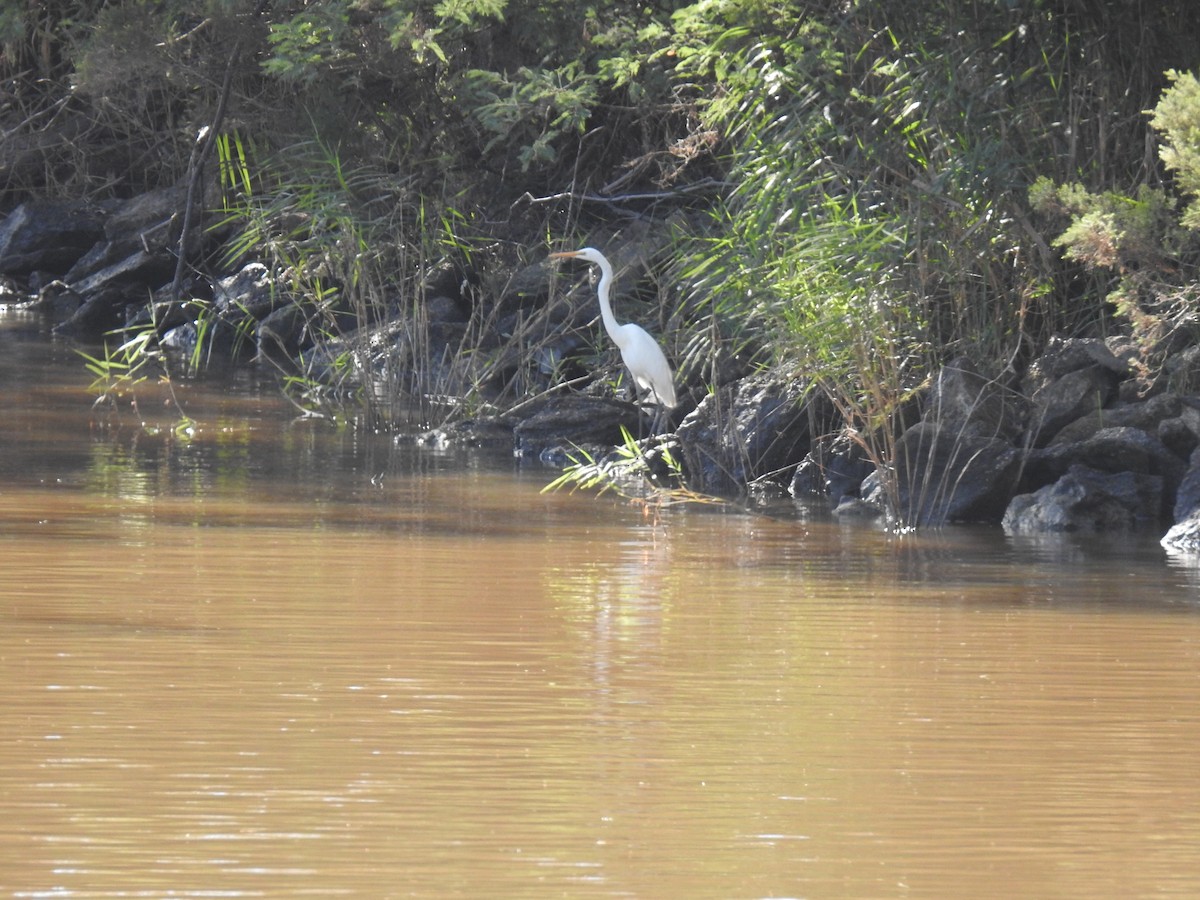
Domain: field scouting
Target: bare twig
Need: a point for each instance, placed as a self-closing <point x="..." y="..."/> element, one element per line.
<point x="708" y="184"/>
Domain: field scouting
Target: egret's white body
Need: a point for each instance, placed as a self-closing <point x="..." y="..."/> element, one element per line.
<point x="641" y="354"/>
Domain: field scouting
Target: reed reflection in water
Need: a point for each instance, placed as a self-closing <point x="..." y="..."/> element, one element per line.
<point x="281" y="660"/>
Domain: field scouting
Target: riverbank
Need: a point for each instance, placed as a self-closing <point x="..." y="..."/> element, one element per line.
<point x="1076" y="445"/>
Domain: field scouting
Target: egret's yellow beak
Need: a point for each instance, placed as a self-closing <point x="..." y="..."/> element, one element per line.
<point x="566" y="255"/>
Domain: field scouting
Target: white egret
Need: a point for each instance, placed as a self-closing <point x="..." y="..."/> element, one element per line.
<point x="641" y="354"/>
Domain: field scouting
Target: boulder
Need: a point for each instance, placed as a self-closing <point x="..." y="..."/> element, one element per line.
<point x="745" y="430"/>
<point x="181" y="340"/>
<point x="1068" y="398"/>
<point x="1143" y="414"/>
<point x="1089" y="501"/>
<point x="1177" y="436"/>
<point x="573" y="420"/>
<point x="1064" y="355"/>
<point x="1111" y="450"/>
<point x="250" y="292"/>
<point x="963" y="398"/>
<point x="131" y="276"/>
<point x="1182" y="369"/>
<point x="1187" y="498"/>
<point x="947" y="474"/>
<point x="139" y="245"/>
<point x="1184" y="537"/>
<point x="834" y="466"/>
<point x="57" y="301"/>
<point x="1189" y="414"/>
<point x="135" y="254"/>
<point x="49" y="235"/>
<point x="103" y="311"/>
<point x="486" y="432"/>
<point x="1072" y="378"/>
<point x="282" y="334"/>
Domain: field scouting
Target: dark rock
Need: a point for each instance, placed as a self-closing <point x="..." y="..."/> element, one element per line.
<point x="963" y="398"/>
<point x="145" y="220"/>
<point x="1145" y="415"/>
<point x="1177" y="436"/>
<point x="1086" y="500"/>
<point x="489" y="433"/>
<point x="140" y="244"/>
<point x="136" y="253"/>
<point x="1062" y="356"/>
<point x="1111" y="450"/>
<point x="99" y="314"/>
<point x="1182" y="369"/>
<point x="132" y="275"/>
<point x="282" y="333"/>
<point x="529" y="285"/>
<point x="836" y="466"/>
<point x="1187" y="497"/>
<point x="181" y="340"/>
<point x="944" y="474"/>
<point x="57" y="301"/>
<point x="440" y="308"/>
<point x="743" y="431"/>
<point x="1068" y="398"/>
<point x="48" y="234"/>
<point x="1189" y="414"/>
<point x="164" y="312"/>
<point x="248" y="293"/>
<point x="572" y="419"/>
<point x="854" y="507"/>
<point x="445" y="281"/>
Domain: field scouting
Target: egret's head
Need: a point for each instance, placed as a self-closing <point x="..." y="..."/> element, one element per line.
<point x="590" y="254"/>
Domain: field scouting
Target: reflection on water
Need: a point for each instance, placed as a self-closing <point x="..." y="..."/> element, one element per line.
<point x="276" y="659"/>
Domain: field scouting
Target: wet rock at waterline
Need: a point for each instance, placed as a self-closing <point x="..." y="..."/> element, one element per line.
<point x="553" y="429"/>
<point x="1087" y="500"/>
<point x="1113" y="451"/>
<point x="835" y="467"/>
<point x="945" y="474"/>
<point x="484" y="433"/>
<point x="1184" y="537"/>
<point x="565" y="422"/>
<point x="745" y="430"/>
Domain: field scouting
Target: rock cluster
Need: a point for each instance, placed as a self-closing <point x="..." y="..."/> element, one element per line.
<point x="99" y="267"/>
<point x="1072" y="448"/>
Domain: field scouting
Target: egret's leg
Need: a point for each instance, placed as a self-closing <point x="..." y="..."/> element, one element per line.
<point x="641" y="412"/>
<point x="656" y="421"/>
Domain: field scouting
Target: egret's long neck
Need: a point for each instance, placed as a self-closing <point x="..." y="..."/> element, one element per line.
<point x="603" y="290"/>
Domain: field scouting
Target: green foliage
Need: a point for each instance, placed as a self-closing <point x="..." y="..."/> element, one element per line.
<point x="530" y="111"/>
<point x="1177" y="116"/>
<point x="1148" y="252"/>
<point x="1110" y="229"/>
<point x="121" y="369"/>
<point x="630" y="472"/>
<point x="308" y="43"/>
<point x="120" y="372"/>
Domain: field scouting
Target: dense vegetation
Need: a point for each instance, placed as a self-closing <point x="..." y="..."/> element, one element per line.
<point x="851" y="191"/>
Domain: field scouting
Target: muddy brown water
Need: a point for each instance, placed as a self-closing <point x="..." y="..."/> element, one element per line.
<point x="275" y="659"/>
